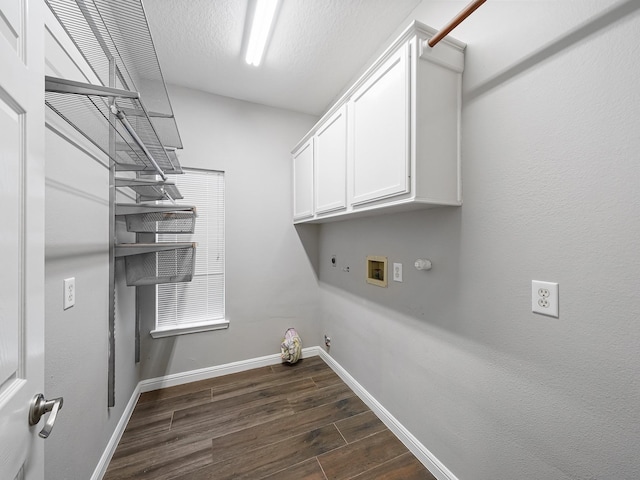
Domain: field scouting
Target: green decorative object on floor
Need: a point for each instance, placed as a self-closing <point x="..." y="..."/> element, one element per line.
<point x="291" y="346"/>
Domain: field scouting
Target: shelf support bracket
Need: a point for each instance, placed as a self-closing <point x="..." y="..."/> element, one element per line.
<point x="62" y="85"/>
<point x="111" y="382"/>
<point x="123" y="119"/>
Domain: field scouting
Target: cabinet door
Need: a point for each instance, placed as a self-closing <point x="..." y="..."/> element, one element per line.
<point x="331" y="163"/>
<point x="303" y="181"/>
<point x="379" y="119"/>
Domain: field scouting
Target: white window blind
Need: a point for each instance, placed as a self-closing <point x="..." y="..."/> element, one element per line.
<point x="192" y="306"/>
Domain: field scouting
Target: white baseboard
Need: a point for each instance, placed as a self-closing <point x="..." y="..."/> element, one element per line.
<point x="428" y="459"/>
<point x="110" y="449"/>
<point x="217" y="371"/>
<point x="418" y="449"/>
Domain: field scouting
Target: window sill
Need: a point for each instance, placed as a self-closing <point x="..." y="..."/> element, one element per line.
<point x="192" y="328"/>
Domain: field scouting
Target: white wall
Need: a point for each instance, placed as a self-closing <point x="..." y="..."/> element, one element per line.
<point x="270" y="280"/>
<point x="550" y="172"/>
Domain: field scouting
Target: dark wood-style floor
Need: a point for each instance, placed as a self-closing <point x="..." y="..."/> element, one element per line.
<point x="284" y="421"/>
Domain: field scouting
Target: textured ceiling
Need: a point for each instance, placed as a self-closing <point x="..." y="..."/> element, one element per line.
<point x="316" y="48"/>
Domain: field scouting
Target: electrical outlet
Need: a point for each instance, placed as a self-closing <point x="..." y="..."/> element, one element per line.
<point x="69" y="295"/>
<point x="544" y="298"/>
<point x="397" y="272"/>
<point x="327" y="341"/>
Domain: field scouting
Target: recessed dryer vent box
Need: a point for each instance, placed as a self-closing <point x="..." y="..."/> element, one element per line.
<point x="377" y="270"/>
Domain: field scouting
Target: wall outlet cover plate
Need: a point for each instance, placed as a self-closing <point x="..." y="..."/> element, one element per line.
<point x="544" y="298"/>
<point x="397" y="272"/>
<point x="69" y="295"/>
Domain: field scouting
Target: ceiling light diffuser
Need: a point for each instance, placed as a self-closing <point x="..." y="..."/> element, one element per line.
<point x="263" y="17"/>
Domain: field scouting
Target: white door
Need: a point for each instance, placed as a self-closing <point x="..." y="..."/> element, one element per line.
<point x="21" y="235"/>
<point x="379" y="120"/>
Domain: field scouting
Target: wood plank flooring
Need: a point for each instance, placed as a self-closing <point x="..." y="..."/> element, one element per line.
<point x="280" y="422"/>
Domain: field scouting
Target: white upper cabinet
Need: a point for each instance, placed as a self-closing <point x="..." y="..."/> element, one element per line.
<point x="392" y="142"/>
<point x="330" y="176"/>
<point x="379" y="114"/>
<point x="303" y="181"/>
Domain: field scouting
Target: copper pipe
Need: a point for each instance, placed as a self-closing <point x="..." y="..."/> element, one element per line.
<point x="457" y="20"/>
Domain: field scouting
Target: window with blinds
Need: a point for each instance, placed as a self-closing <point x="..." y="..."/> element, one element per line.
<point x="197" y="305"/>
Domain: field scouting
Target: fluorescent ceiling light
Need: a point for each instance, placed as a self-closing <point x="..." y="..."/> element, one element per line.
<point x="263" y="17"/>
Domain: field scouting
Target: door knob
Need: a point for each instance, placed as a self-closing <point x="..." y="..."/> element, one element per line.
<point x="40" y="406"/>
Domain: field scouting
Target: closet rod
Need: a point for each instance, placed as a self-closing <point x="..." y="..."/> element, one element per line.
<point x="457" y="20"/>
